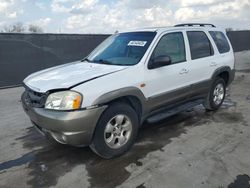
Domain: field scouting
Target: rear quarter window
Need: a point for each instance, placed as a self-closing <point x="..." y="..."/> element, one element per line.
<point x="220" y="41"/>
<point x="200" y="45"/>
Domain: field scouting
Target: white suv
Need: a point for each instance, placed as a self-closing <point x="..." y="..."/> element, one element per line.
<point x="147" y="74"/>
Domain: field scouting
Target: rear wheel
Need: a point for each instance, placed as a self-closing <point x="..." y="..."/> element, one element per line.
<point x="116" y="131"/>
<point x="216" y="95"/>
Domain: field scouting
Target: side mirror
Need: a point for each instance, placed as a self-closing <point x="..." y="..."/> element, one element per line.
<point x="159" y="61"/>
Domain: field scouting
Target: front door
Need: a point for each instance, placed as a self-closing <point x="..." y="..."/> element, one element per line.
<point x="168" y="84"/>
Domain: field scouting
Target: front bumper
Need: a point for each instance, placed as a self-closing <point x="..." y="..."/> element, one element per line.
<point x="67" y="127"/>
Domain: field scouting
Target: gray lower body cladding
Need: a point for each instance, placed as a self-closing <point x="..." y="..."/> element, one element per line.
<point x="179" y="96"/>
<point x="67" y="127"/>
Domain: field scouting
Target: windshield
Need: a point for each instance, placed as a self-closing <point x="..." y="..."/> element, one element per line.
<point x="122" y="48"/>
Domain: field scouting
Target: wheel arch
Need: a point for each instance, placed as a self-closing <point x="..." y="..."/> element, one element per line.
<point x="226" y="73"/>
<point x="131" y="95"/>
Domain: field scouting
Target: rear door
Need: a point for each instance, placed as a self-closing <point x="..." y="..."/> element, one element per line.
<point x="202" y="62"/>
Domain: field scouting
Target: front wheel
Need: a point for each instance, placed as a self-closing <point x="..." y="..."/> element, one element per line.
<point x="116" y="131"/>
<point x="216" y="95"/>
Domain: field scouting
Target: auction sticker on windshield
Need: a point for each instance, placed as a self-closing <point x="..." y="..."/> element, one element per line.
<point x="137" y="43"/>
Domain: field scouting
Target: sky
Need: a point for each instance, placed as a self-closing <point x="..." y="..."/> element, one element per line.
<point x="108" y="16"/>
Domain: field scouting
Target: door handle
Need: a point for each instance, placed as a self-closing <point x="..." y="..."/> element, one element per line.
<point x="213" y="64"/>
<point x="183" y="71"/>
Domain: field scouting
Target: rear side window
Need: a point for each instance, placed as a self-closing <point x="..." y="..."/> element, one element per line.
<point x="220" y="41"/>
<point x="172" y="45"/>
<point x="200" y="45"/>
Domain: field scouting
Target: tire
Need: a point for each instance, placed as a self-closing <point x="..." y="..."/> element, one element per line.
<point x="215" y="99"/>
<point x="116" y="131"/>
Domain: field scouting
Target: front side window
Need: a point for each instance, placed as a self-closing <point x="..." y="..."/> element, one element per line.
<point x="122" y="48"/>
<point x="200" y="45"/>
<point x="220" y="41"/>
<point x="172" y="45"/>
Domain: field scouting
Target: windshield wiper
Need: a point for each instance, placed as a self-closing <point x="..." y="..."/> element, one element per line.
<point x="85" y="59"/>
<point x="103" y="61"/>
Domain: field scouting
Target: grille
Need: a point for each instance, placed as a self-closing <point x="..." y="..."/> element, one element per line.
<point x="34" y="98"/>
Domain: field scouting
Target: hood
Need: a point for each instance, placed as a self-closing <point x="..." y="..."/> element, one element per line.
<point x="68" y="75"/>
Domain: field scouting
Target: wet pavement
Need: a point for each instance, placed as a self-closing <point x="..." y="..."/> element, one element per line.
<point x="192" y="149"/>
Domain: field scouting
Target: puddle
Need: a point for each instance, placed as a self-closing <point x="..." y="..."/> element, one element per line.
<point x="226" y="117"/>
<point x="242" y="181"/>
<point x="141" y="186"/>
<point x="227" y="103"/>
<point x="248" y="98"/>
<point x="55" y="160"/>
<point x="48" y="160"/>
<point x="61" y="159"/>
<point x="17" y="162"/>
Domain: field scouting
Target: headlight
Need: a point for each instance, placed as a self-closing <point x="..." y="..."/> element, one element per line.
<point x="64" y="100"/>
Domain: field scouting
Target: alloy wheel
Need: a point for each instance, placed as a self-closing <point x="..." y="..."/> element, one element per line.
<point x="118" y="131"/>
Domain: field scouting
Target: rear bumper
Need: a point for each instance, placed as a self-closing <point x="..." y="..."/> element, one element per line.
<point x="66" y="127"/>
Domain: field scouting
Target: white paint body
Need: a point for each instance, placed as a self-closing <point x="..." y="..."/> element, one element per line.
<point x="157" y="81"/>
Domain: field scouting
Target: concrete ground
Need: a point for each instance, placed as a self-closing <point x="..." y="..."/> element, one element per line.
<point x="192" y="149"/>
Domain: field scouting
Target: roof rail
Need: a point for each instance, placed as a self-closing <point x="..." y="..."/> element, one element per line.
<point x="194" y="24"/>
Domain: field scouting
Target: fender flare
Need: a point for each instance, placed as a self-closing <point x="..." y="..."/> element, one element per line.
<point x="123" y="92"/>
<point x="231" y="73"/>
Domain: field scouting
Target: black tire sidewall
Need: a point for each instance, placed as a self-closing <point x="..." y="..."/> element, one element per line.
<point x="211" y="101"/>
<point x="99" y="145"/>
